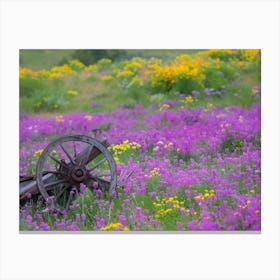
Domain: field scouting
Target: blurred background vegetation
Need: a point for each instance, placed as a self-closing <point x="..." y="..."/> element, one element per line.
<point x="65" y="81"/>
<point x="39" y="59"/>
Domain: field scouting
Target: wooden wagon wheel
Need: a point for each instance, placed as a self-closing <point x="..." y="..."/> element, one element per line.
<point x="71" y="162"/>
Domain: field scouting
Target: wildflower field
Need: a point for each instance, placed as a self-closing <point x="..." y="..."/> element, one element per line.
<point x="187" y="126"/>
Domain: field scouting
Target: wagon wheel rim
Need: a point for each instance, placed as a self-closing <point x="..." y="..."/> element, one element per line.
<point x="69" y="162"/>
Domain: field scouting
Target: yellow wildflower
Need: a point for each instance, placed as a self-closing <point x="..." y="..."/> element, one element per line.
<point x="72" y="92"/>
<point x="38" y="152"/>
<point x="106" y="78"/>
<point x="116" y="159"/>
<point x="155" y="172"/>
<point x="23" y="72"/>
<point x="189" y="99"/>
<point x="113" y="226"/>
<point x="125" y="73"/>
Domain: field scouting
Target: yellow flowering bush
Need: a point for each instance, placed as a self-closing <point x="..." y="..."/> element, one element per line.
<point x="134" y="64"/>
<point x="91" y="68"/>
<point x="249" y="54"/>
<point x="106" y="78"/>
<point x="76" y="65"/>
<point x="182" y="75"/>
<point x="154" y="61"/>
<point x="55" y="72"/>
<point x="45" y="88"/>
<point x="125" y="74"/>
<point x="124" y="78"/>
<point x="43" y="74"/>
<point x="220" y="54"/>
<point x="60" y="71"/>
<point x="23" y="72"/>
<point x="136" y="81"/>
<point x="104" y="63"/>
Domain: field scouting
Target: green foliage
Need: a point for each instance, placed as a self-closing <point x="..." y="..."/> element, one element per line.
<point x="39" y="94"/>
<point x="214" y="78"/>
<point x="186" y="85"/>
<point x="157" y="98"/>
<point x="92" y="56"/>
<point x="232" y="145"/>
<point x="28" y="86"/>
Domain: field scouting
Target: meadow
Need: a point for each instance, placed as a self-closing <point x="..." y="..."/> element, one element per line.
<point x="187" y="124"/>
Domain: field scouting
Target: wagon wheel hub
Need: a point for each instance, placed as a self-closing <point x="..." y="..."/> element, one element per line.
<point x="78" y="174"/>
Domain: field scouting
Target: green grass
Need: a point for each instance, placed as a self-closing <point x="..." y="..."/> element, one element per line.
<point x="43" y="59"/>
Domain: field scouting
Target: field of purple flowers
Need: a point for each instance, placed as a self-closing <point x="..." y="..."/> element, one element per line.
<point x="186" y="129"/>
<point x="194" y="169"/>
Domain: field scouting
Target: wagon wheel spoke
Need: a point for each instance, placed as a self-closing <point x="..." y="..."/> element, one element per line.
<point x="85" y="159"/>
<point x="63" y="189"/>
<point x="100" y="176"/>
<point x="67" y="154"/>
<point x="75" y="149"/>
<point x="54" y="183"/>
<point x="55" y="159"/>
<point x="53" y="172"/>
<point x="97" y="164"/>
<point x="70" y="200"/>
<point x="100" y="170"/>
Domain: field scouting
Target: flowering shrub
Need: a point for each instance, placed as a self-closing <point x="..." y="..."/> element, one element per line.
<point x="103" y="63"/>
<point x="226" y="55"/>
<point x="45" y="89"/>
<point x="177" y="76"/>
<point x="76" y="65"/>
